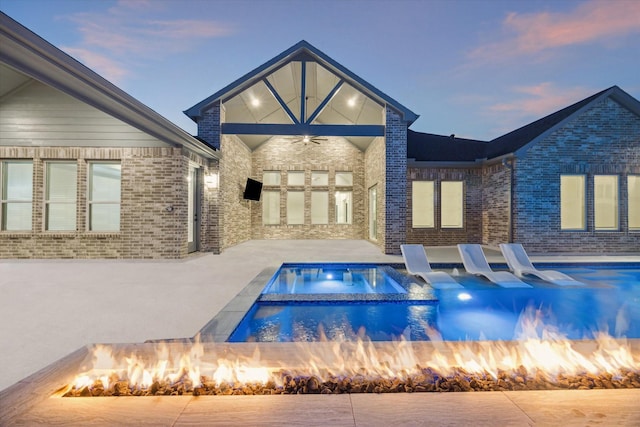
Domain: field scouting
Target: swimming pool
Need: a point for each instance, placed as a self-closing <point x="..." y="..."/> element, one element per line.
<point x="608" y="301"/>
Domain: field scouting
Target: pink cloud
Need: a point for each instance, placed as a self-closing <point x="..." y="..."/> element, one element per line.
<point x="593" y="21"/>
<point x="533" y="102"/>
<point x="106" y="67"/>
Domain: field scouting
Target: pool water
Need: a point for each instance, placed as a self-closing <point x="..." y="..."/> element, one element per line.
<point x="608" y="301"/>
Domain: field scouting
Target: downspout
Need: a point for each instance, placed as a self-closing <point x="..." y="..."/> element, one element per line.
<point x="509" y="165"/>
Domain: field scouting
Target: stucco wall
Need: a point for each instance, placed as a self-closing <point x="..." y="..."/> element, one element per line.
<point x="603" y="140"/>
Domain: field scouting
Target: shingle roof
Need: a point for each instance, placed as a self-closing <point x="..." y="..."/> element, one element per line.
<point x="438" y="148"/>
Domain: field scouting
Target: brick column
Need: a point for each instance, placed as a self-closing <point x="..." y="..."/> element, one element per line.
<point x="209" y="127"/>
<point x="395" y="182"/>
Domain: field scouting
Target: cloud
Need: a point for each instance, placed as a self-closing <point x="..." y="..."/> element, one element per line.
<point x="103" y="65"/>
<point x="114" y="41"/>
<point x="591" y="22"/>
<point x="529" y="103"/>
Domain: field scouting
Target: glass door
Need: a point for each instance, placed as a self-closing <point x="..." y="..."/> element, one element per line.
<point x="193" y="209"/>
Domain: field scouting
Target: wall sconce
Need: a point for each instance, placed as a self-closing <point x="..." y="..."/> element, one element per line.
<point x="211" y="180"/>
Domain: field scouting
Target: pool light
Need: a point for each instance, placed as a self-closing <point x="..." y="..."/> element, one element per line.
<point x="463" y="296"/>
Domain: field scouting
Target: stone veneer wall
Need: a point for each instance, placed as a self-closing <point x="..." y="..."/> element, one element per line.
<point x="473" y="189"/>
<point x="235" y="168"/>
<point x="336" y="154"/>
<point x="152" y="180"/>
<point x="603" y="140"/>
<point x="395" y="182"/>
<point x="374" y="170"/>
<point x="496" y="203"/>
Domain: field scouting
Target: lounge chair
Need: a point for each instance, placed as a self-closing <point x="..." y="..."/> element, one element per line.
<point x="521" y="265"/>
<point x="476" y="263"/>
<point x="415" y="259"/>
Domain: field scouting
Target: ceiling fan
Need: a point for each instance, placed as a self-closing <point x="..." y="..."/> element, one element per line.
<point x="307" y="139"/>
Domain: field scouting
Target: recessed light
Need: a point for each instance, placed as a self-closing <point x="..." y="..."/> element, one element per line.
<point x="255" y="102"/>
<point x="351" y="102"/>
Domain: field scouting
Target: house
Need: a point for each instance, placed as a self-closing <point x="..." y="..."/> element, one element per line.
<point x="88" y="171"/>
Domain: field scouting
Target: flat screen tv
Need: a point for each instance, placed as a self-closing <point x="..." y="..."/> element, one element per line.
<point x="252" y="190"/>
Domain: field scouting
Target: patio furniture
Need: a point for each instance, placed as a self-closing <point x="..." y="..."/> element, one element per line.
<point x="521" y="265"/>
<point x="415" y="259"/>
<point x="476" y="263"/>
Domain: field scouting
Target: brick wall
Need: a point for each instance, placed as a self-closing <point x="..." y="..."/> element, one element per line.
<point x="395" y="182"/>
<point x="374" y="172"/>
<point x="496" y="203"/>
<point x="336" y="154"/>
<point x="152" y="180"/>
<point x="235" y="168"/>
<point x="603" y="140"/>
<point x="473" y="193"/>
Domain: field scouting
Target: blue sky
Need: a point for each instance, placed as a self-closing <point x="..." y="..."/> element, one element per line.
<point x="476" y="68"/>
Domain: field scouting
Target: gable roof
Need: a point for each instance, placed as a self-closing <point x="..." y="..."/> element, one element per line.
<point x="301" y="50"/>
<point x="515" y="142"/>
<point x="34" y="57"/>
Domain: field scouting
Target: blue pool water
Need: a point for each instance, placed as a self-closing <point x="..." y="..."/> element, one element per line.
<point x="405" y="307"/>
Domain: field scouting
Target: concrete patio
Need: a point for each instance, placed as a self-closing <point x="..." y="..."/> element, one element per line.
<point x="50" y="308"/>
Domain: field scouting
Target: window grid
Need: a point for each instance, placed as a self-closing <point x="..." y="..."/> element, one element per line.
<point x="104" y="196"/>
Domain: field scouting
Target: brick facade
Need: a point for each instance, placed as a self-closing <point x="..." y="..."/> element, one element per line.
<point x="374" y="172"/>
<point x="152" y="179"/>
<point x="395" y="182"/>
<point x="603" y="140"/>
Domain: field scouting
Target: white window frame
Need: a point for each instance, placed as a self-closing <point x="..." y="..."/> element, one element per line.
<point x="582" y="202"/>
<point x="607" y="205"/>
<point x="633" y="203"/>
<point x="70" y="201"/>
<point x="448" y="205"/>
<point x="4" y="198"/>
<point x="91" y="203"/>
<point x="423" y="204"/>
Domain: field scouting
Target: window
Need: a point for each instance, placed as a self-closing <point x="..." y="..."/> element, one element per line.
<point x="16" y="195"/>
<point x="60" y="196"/>
<point x="605" y="193"/>
<point x="572" y="202"/>
<point x="271" y="207"/>
<point x="295" y="207"/>
<point x="104" y="196"/>
<point x="295" y="178"/>
<point x="344" y="207"/>
<point x="319" y="207"/>
<point x="633" y="200"/>
<point x="422" y="212"/>
<point x="344" y="179"/>
<point x="319" y="178"/>
<point x="271" y="177"/>
<point x="451" y="204"/>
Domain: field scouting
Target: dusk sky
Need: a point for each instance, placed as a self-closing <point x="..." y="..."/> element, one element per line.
<point x="476" y="68"/>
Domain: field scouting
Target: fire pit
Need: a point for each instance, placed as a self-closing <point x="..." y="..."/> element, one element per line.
<point x="172" y="369"/>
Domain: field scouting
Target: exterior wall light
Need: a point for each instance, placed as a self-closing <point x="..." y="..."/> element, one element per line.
<point x="211" y="180"/>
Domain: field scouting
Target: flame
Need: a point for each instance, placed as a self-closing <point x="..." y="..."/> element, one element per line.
<point x="540" y="351"/>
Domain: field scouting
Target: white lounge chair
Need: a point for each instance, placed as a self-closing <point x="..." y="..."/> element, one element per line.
<point x="476" y="263"/>
<point x="415" y="259"/>
<point x="521" y="265"/>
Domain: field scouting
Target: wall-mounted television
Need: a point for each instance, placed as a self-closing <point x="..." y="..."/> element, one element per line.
<point x="252" y="189"/>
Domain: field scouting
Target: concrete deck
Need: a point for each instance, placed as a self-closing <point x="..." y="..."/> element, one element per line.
<point x="52" y="307"/>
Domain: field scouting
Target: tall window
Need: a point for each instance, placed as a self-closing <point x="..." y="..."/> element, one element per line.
<point x="422" y="212"/>
<point x="16" y="195"/>
<point x="295" y="207"/>
<point x="271" y="207"/>
<point x="633" y="201"/>
<point x="344" y="207"/>
<point x="319" y="207"/>
<point x="104" y="196"/>
<point x="60" y="196"/>
<point x="451" y="204"/>
<point x="572" y="202"/>
<point x="605" y="192"/>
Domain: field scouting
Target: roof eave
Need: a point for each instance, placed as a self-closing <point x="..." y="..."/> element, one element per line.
<point x="30" y="54"/>
<point x="253" y="76"/>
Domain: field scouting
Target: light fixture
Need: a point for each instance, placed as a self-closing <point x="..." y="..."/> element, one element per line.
<point x="211" y="180"/>
<point x="351" y="102"/>
<point x="255" y="102"/>
<point x="305" y="139"/>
